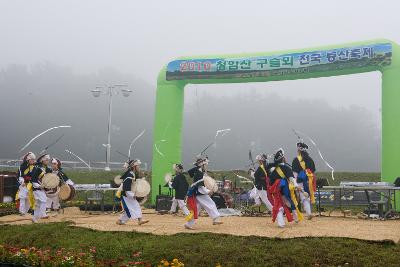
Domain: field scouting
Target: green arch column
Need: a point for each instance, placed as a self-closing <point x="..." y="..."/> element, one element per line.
<point x="168" y="127"/>
<point x="374" y="55"/>
<point x="391" y="119"/>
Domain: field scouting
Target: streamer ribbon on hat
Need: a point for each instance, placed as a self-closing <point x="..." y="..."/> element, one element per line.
<point x="76" y="156"/>
<point x="298" y="133"/>
<point x="220" y="133"/>
<point x="42" y="133"/>
<point x="133" y="142"/>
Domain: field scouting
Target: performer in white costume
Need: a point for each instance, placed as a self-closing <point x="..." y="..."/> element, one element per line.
<point x="53" y="200"/>
<point x="24" y="179"/>
<point x="198" y="195"/>
<point x="128" y="199"/>
<point x="38" y="191"/>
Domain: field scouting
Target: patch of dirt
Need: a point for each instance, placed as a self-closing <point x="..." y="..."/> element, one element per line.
<point x="243" y="226"/>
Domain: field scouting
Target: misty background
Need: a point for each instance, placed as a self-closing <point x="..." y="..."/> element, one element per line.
<point x="52" y="53"/>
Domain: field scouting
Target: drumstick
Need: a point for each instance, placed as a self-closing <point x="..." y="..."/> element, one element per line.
<point x="52" y="144"/>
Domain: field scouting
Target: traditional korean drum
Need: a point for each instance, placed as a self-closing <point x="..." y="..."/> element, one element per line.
<point x="168" y="178"/>
<point x="210" y="183"/>
<point x="118" y="180"/>
<point x="140" y="187"/>
<point x="50" y="181"/>
<point x="67" y="192"/>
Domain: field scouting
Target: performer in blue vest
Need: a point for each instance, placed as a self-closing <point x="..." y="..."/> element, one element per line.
<point x="25" y="173"/>
<point x="128" y="199"/>
<point x="53" y="201"/>
<point x="199" y="195"/>
<point x="283" y="187"/>
<point x="304" y="168"/>
<point x="39" y="171"/>
<point x="260" y="181"/>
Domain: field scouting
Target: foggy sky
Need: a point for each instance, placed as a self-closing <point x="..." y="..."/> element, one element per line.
<point x="136" y="38"/>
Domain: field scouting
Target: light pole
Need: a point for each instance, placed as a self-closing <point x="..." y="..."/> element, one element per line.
<point x="110" y="91"/>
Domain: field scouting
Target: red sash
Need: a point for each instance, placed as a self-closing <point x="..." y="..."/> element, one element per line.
<point x="270" y="198"/>
<point x="275" y="192"/>
<point x="192" y="205"/>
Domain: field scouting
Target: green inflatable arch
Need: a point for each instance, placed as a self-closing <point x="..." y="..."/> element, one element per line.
<point x="374" y="55"/>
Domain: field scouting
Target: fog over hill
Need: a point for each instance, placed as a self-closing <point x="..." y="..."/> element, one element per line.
<point x="44" y="95"/>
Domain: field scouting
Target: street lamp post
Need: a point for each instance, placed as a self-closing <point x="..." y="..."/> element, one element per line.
<point x="111" y="90"/>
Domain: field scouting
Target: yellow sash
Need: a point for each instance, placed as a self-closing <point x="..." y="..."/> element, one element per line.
<point x="302" y="162"/>
<point x="29" y="187"/>
<point x="30" y="196"/>
<point x="28" y="170"/>
<point x="280" y="172"/>
<point x="292" y="193"/>
<point x="296" y="204"/>
<point x="310" y="176"/>
<point x="190" y="216"/>
<point x="263" y="168"/>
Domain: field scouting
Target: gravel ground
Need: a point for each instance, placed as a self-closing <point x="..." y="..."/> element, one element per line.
<point x="244" y="226"/>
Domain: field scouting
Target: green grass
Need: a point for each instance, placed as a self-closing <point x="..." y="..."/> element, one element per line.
<point x="204" y="249"/>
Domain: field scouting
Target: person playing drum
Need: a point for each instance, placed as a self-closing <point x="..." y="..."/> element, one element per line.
<point x="198" y="195"/>
<point x="39" y="171"/>
<point x="130" y="205"/>
<point x="53" y="201"/>
<point x="25" y="187"/>
<point x="180" y="185"/>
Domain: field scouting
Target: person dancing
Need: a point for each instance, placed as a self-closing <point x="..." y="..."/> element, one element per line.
<point x="39" y="171"/>
<point x="25" y="193"/>
<point x="180" y="185"/>
<point x="282" y="189"/>
<point x="260" y="181"/>
<point x="53" y="201"/>
<point x="130" y="205"/>
<point x="198" y="195"/>
<point x="303" y="169"/>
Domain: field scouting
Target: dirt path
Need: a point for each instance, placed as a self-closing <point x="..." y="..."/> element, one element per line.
<point x="244" y="226"/>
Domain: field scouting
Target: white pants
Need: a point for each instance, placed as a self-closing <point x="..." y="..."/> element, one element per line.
<point x="23" y="191"/>
<point x="24" y="203"/>
<point x="132" y="209"/>
<point x="305" y="201"/>
<point x="205" y="202"/>
<point x="40" y="204"/>
<point x="280" y="219"/>
<point x="182" y="205"/>
<point x="263" y="196"/>
<point x="53" y="201"/>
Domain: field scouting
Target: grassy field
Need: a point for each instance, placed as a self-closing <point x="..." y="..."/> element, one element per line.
<point x="205" y="249"/>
